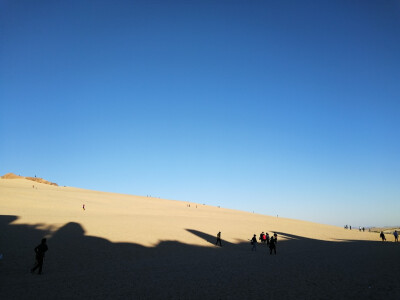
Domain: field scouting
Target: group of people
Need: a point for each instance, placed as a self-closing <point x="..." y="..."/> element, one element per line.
<point x="395" y="234"/>
<point x="265" y="239"/>
<point x="359" y="228"/>
<point x="381" y="235"/>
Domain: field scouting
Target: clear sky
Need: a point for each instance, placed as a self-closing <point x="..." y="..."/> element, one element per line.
<point x="277" y="107"/>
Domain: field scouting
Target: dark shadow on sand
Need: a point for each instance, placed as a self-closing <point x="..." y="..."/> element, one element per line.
<point x="208" y="238"/>
<point x="78" y="266"/>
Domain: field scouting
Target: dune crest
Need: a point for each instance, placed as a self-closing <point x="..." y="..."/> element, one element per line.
<point x="36" y="179"/>
<point x="12" y="176"/>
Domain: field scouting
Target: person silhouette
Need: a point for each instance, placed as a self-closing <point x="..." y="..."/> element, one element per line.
<point x="267" y="239"/>
<point x="262" y="237"/>
<point x="40" y="251"/>
<point x="218" y="239"/>
<point x="382" y="235"/>
<point x="254" y="243"/>
<point x="272" y="244"/>
<point x="396" y="236"/>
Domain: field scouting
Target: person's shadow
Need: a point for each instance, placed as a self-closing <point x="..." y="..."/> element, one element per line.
<point x="207" y="237"/>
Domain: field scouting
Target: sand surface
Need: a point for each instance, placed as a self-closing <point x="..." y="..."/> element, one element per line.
<point x="131" y="247"/>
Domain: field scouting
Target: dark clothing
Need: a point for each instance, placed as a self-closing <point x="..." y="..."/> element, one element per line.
<point x="38" y="264"/>
<point x="218" y="239"/>
<point x="382" y="235"/>
<point x="40" y="251"/>
<point x="254" y="243"/>
<point x="272" y="245"/>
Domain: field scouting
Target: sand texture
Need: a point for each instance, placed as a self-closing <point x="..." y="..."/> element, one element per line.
<point x="36" y="179"/>
<point x="131" y="247"/>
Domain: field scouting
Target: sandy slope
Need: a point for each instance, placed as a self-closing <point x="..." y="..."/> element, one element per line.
<point x="36" y="179"/>
<point x="139" y="247"/>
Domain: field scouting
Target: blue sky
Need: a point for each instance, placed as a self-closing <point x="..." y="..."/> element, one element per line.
<point x="277" y="107"/>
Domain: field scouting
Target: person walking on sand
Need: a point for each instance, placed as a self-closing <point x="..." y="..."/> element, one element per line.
<point x="83" y="207"/>
<point x="267" y="238"/>
<point x="396" y="236"/>
<point x="382" y="235"/>
<point x="40" y="251"/>
<point x="218" y="239"/>
<point x="272" y="245"/>
<point x="254" y="243"/>
<point x="276" y="237"/>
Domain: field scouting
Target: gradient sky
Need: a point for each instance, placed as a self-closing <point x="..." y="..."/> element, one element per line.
<point x="277" y="107"/>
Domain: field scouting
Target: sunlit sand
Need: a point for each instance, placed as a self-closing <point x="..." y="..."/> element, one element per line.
<point x="123" y="246"/>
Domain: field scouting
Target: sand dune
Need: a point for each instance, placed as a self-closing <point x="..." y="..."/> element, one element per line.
<point x="36" y="179"/>
<point x="124" y="246"/>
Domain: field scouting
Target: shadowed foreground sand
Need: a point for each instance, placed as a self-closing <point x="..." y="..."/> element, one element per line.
<point x="129" y="247"/>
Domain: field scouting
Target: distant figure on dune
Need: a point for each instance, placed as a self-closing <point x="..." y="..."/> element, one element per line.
<point x="40" y="251"/>
<point x="83" y="207"/>
<point x="254" y="243"/>
<point x="396" y="236"/>
<point x="218" y="239"/>
<point x="382" y="235"/>
<point x="272" y="245"/>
